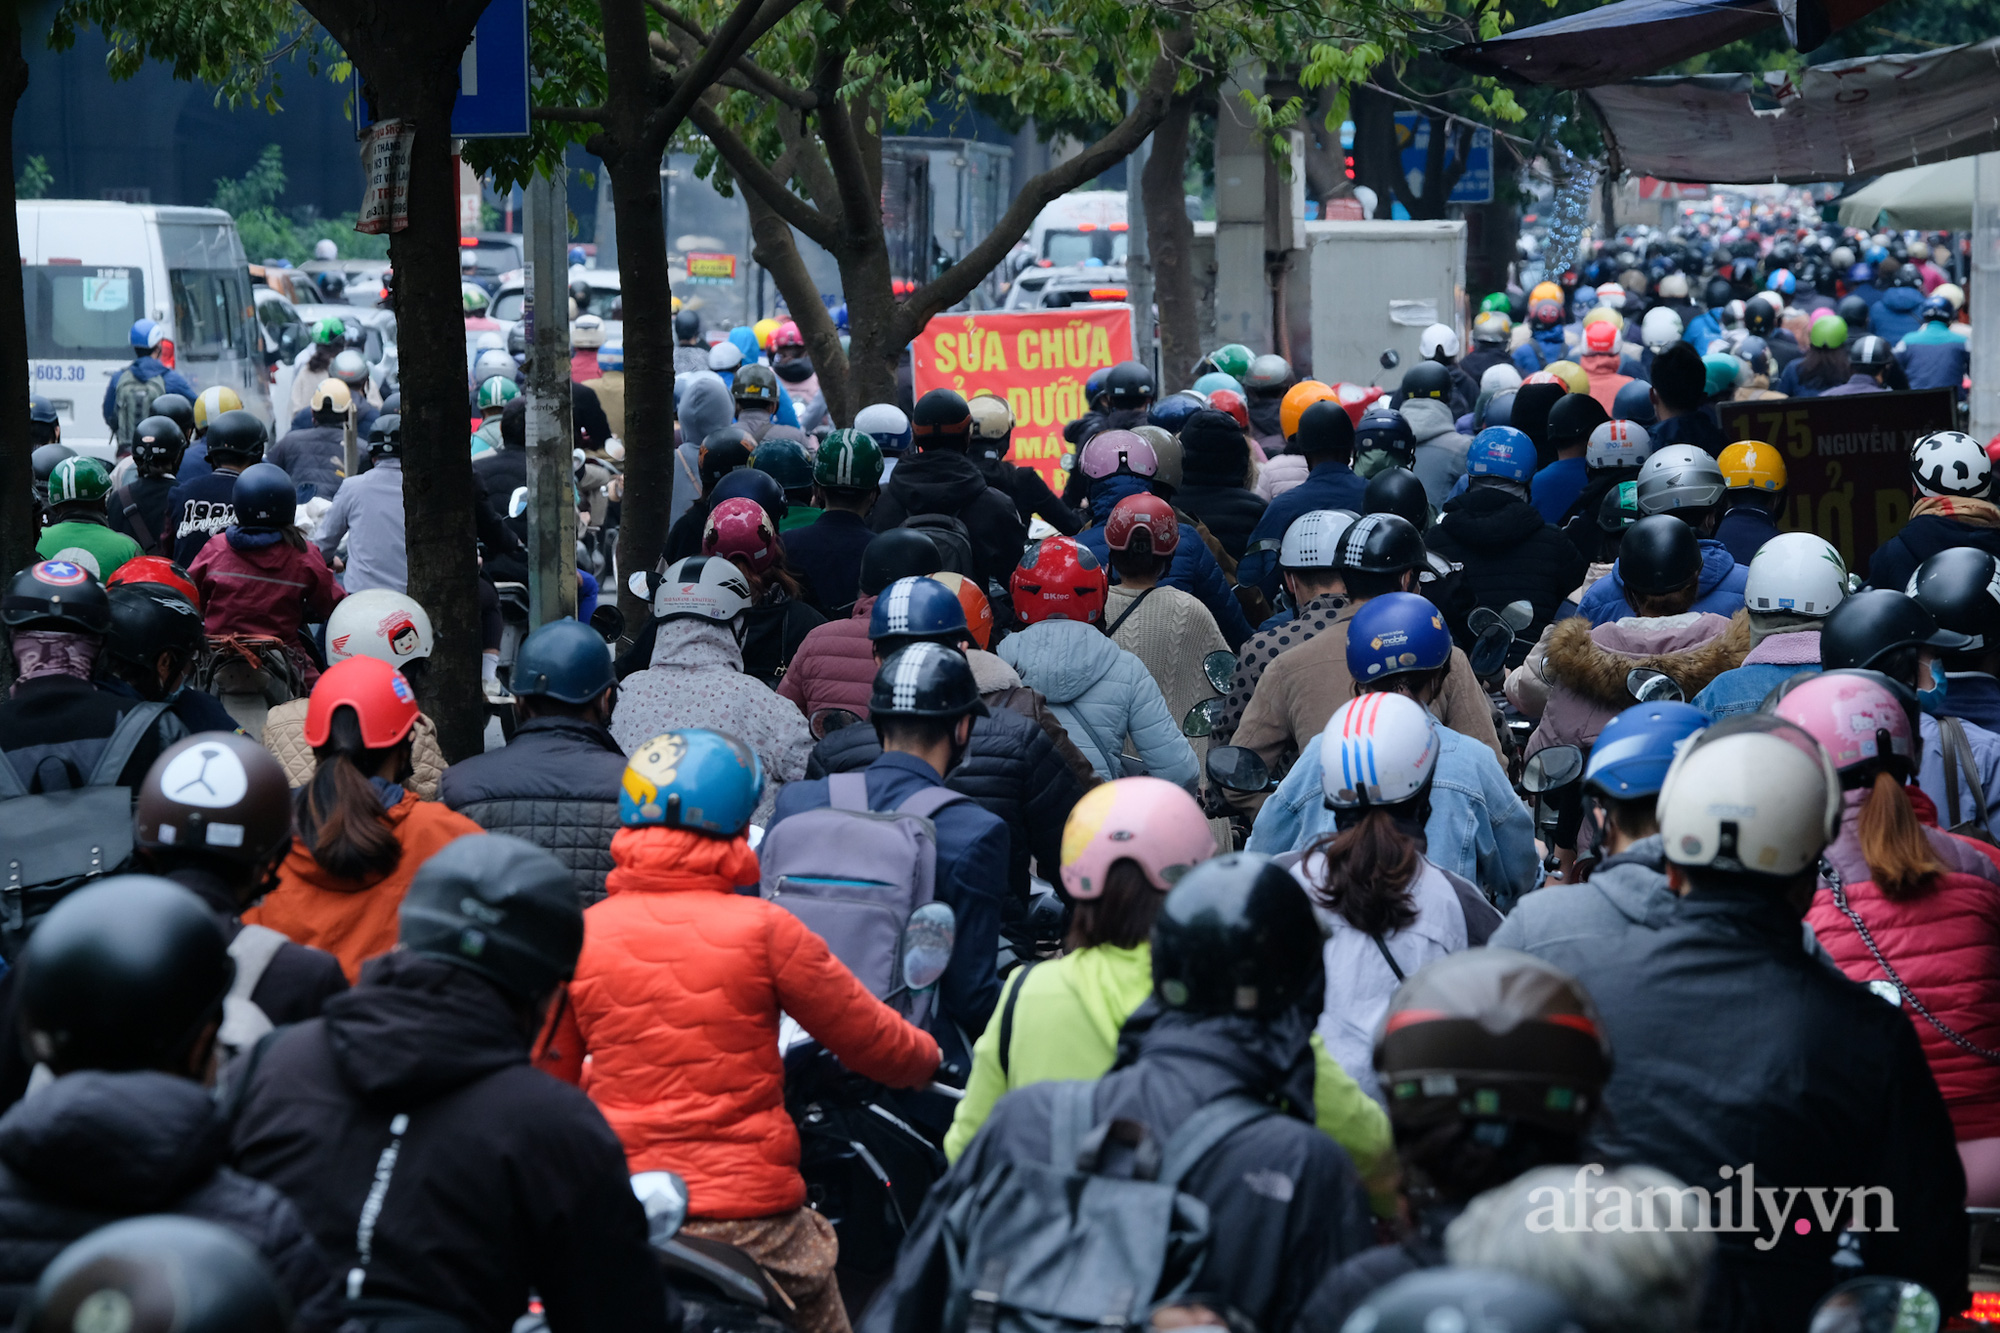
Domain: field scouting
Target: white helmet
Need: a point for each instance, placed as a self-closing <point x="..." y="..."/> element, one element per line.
<point x="1313" y="539"/>
<point x="887" y="424"/>
<point x="326" y="249"/>
<point x="1660" y="329"/>
<point x="1617" y="443"/>
<point x="489" y="341"/>
<point x="1380" y="749"/>
<point x="1950" y="462"/>
<point x="1796" y="572"/>
<point x="1437" y="340"/>
<point x="587" y="331"/>
<point x="702" y="587"/>
<point x="377" y="623"/>
<point x="1674" y="287"/>
<point x="1842" y="257"/>
<point x="489" y="364"/>
<point x="724" y="357"/>
<point x="1499" y="378"/>
<point x="1753" y="793"/>
<point x="1679" y="476"/>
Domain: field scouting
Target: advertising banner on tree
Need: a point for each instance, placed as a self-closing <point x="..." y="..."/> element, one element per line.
<point x="1847" y="460"/>
<point x="1037" y="360"/>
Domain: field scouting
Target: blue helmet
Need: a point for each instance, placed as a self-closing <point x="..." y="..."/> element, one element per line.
<point x="1860" y="273"/>
<point x="1499" y="409"/>
<point x="1634" y="403"/>
<point x="576" y="254"/>
<point x="1395" y="633"/>
<point x="1170" y="414"/>
<point x="1781" y="280"/>
<point x="1635" y="749"/>
<point x="1216" y="379"/>
<point x="1875" y="254"/>
<point x="1501" y="451"/>
<point x="145" y="335"/>
<point x="917" y="608"/>
<point x="564" y="659"/>
<point x="264" y="499"/>
<point x="1094" y="387"/>
<point x="611" y="356"/>
<point x="699" y="780"/>
<point x="1938" y="308"/>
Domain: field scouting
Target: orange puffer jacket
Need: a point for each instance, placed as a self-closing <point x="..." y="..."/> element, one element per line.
<point x="676" y="1002"/>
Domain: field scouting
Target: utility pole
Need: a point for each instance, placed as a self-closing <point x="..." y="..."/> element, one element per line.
<point x="551" y="439"/>
<point x="1139" y="257"/>
<point x="1985" y="296"/>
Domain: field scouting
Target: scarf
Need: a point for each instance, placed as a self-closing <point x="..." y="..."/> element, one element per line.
<point x="53" y="652"/>
<point x="252" y="539"/>
<point x="659" y="858"/>
<point x="1784" y="647"/>
<point x="1972" y="513"/>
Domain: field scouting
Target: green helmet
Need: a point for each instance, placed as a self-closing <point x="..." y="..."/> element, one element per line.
<point x="848" y="460"/>
<point x="1231" y="359"/>
<point x="329" y="330"/>
<point x="1495" y="301"/>
<point x="79" y="478"/>
<point x="497" y="391"/>
<point x="785" y="462"/>
<point x="1828" y="331"/>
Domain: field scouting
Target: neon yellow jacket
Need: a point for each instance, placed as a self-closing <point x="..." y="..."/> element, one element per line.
<point x="1066" y="1025"/>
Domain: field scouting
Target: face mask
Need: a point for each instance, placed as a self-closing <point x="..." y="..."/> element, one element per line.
<point x="1932" y="700"/>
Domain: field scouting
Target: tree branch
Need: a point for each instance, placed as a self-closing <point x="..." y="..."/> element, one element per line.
<point x="846" y="155"/>
<point x="730" y="45"/>
<point x="803" y="158"/>
<point x="573" y="115"/>
<point x="776" y="251"/>
<point x="755" y="176"/>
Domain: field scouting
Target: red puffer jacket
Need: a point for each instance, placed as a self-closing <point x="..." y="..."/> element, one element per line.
<point x="676" y="1001"/>
<point x="1945" y="945"/>
<point x="834" y="667"/>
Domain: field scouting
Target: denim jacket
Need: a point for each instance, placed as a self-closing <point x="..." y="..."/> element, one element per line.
<point x="1478" y="828"/>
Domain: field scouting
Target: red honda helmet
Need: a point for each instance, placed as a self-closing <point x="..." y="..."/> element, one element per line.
<point x="1058" y="579"/>
<point x="381" y="699"/>
<point x="1149" y="512"/>
<point x="1232" y="402"/>
<point x="740" y="530"/>
<point x="1992" y="452"/>
<point x="156" y="569"/>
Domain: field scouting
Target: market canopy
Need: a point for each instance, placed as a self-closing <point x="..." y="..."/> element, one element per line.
<point x="1828" y="122"/>
<point x="1933" y="198"/>
<point x="1632" y="37"/>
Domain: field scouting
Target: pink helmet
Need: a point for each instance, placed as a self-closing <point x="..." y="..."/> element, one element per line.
<point x="787" y="335"/>
<point x="1112" y="451"/>
<point x="1854" y="719"/>
<point x="1146" y="820"/>
<point x="739" y="529"/>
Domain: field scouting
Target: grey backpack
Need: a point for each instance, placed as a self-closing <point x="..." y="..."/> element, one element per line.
<point x="1057" y="1247"/>
<point x="855" y="875"/>
<point x="134" y="403"/>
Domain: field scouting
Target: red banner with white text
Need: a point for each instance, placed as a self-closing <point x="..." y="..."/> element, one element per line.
<point x="1037" y="360"/>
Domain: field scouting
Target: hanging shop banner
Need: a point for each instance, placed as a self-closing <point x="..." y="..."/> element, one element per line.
<point x="709" y="267"/>
<point x="1847" y="460"/>
<point x="1037" y="360"/>
<point x="385" y="166"/>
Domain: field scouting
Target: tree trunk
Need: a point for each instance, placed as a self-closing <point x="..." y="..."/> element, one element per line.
<point x="776" y="251"/>
<point x="1378" y="161"/>
<point x="17" y="510"/>
<point x="872" y="349"/>
<point x="1170" y="239"/>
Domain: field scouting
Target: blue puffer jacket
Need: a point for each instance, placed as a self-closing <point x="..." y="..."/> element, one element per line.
<point x="1478" y="827"/>
<point x="1331" y="485"/>
<point x="1702" y="330"/>
<point x="1543" y="349"/>
<point x="1193" y="570"/>
<point x="1934" y="357"/>
<point x="1722" y="581"/>
<point x="1894" y="317"/>
<point x="1101" y="694"/>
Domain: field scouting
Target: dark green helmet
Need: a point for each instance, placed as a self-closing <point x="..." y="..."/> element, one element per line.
<point x="786" y="462"/>
<point x="499" y="906"/>
<point x="848" y="460"/>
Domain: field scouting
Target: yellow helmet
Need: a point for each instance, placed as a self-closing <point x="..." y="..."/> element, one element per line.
<point x="764" y="328"/>
<point x="1752" y="465"/>
<point x="1572" y="376"/>
<point x="1545" y="291"/>
<point x="331" y="396"/>
<point x="1297" y="399"/>
<point x="212" y="403"/>
<point x="1600" y="313"/>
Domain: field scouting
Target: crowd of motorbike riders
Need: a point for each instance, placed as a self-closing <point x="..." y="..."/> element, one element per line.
<point x="865" y="940"/>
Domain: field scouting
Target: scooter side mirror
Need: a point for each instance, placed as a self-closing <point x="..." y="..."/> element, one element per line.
<point x="1068" y="462"/>
<point x="1201" y="719"/>
<point x="640" y="585"/>
<point x="825" y="721"/>
<point x="608" y="621"/>
<point x="1652" y="687"/>
<point x="1552" y="768"/>
<point x="1235" y="768"/>
<point x="1518" y="615"/>
<point x="1390" y="358"/>
<point x="1220" y="668"/>
<point x="1482" y="619"/>
<point x="1878" y="1305"/>
<point x="927" y="944"/>
<point x="1489" y="653"/>
<point x="664" y="1196"/>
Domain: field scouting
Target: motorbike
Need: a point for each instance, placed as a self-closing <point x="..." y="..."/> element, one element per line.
<point x="1201" y="720"/>
<point x="1878" y="1305"/>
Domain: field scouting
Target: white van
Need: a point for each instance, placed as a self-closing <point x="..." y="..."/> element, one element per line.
<point x="90" y="270"/>
<point x="1078" y="227"/>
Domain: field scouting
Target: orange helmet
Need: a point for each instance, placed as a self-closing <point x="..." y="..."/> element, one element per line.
<point x="1545" y="291"/>
<point x="1295" y="402"/>
<point x="978" y="611"/>
<point x="381" y="699"/>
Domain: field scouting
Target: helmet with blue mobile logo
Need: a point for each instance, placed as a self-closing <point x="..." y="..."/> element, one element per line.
<point x="1396" y="633"/>
<point x="703" y="781"/>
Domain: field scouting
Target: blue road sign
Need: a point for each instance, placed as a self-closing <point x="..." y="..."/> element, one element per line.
<point x="1413" y="137"/>
<point x="492" y="78"/>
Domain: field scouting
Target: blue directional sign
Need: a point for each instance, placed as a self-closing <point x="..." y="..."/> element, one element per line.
<point x="1413" y="137"/>
<point x="492" y="78"/>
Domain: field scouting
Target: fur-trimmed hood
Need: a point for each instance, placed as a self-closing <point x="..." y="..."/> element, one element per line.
<point x="1693" y="649"/>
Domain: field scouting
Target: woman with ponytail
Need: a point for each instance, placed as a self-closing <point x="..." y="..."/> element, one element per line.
<point x="359" y="833"/>
<point x="1910" y="910"/>
<point x="1387" y="909"/>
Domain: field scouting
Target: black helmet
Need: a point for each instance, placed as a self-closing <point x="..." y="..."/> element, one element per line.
<point x="1571" y="420"/>
<point x="941" y="417"/>
<point x="499" y="906"/>
<point x="1869" y="352"/>
<point x="1464" y="1298"/>
<point x="237" y="432"/>
<point x="1492" y="1032"/>
<point x="687" y="324"/>
<point x="1397" y="491"/>
<point x="730" y="434"/>
<point x="1719" y="292"/>
<point x="123" y="974"/>
<point x="1129" y="385"/>
<point x="216" y="793"/>
<point x="1759" y="318"/>
<point x="1660" y="554"/>
<point x="755" y="384"/>
<point x="1237" y="935"/>
<point x="1324" y="428"/>
<point x="563" y="659"/>
<point x="56" y="594"/>
<point x="1635" y="403"/>
<point x="44" y="461"/>
<point x="264" y="497"/>
<point x="176" y="409"/>
<point x="1386" y="432"/>
<point x="1427" y="379"/>
<point x="747" y="483"/>
<point x="787" y="461"/>
<point x="899" y="553"/>
<point x="385" y="437"/>
<point x="148" y="619"/>
<point x="158" y="441"/>
<point x="1854" y="310"/>
<point x="925" y="680"/>
<point x="160" y="1274"/>
<point x="1961" y="588"/>
<point x="1868" y="628"/>
<point x="1619" y="509"/>
<point x="43" y="412"/>
<point x="1499" y="410"/>
<point x="579" y="292"/>
<point x="1381" y="544"/>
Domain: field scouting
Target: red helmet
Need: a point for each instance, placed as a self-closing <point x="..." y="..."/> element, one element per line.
<point x="1992" y="452"/>
<point x="155" y="569"/>
<point x="381" y="699"/>
<point x="1601" y="337"/>
<point x="1232" y="402"/>
<point x="740" y="530"/>
<point x="1546" y="313"/>
<point x="1149" y="512"/>
<point x="1058" y="579"/>
<point x="978" y="611"/>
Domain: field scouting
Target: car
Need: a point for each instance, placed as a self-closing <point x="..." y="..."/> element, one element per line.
<point x="510" y="301"/>
<point x="1059" y="288"/>
<point x="363" y="277"/>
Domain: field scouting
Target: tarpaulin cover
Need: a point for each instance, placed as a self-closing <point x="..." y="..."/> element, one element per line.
<point x="1933" y="198"/>
<point x="1828" y="122"/>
